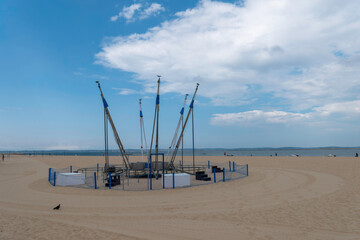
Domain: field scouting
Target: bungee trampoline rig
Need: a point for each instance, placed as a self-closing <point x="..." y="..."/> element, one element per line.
<point x="150" y="173"/>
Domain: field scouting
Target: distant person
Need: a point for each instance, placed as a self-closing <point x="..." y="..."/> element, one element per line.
<point x="224" y="153"/>
<point x="356" y="155"/>
<point x="3" y="157"/>
<point x="275" y="154"/>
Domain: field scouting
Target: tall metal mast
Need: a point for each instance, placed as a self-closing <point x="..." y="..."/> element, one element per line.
<point x="142" y="132"/>
<point x="156" y="125"/>
<point x="116" y="135"/>
<point x="171" y="165"/>
<point x="193" y="139"/>
<point x="106" y="135"/>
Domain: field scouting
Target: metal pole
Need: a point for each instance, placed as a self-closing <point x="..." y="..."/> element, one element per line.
<point x="107" y="118"/>
<point x="173" y="175"/>
<point x="95" y="185"/>
<point x="106" y="142"/>
<point x="163" y="168"/>
<point x="171" y="165"/>
<point x="157" y="126"/>
<point x="193" y="139"/>
<point x="175" y="137"/>
<point x="150" y="174"/>
<point x="182" y="145"/>
<point x="224" y="174"/>
<point x="182" y="140"/>
<point x="141" y="135"/>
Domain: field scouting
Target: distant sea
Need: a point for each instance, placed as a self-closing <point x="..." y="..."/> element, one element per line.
<point x="316" y="152"/>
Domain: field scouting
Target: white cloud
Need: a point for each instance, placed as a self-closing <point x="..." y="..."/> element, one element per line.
<point x="282" y="50"/>
<point x="320" y="115"/>
<point x="62" y="147"/>
<point x="137" y="11"/>
<point x="256" y="116"/>
<point x="126" y="91"/>
<point x="347" y="108"/>
<point x="127" y="12"/>
<point x="154" y="9"/>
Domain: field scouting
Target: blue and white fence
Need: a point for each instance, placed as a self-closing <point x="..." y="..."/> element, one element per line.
<point x="148" y="179"/>
<point x="234" y="171"/>
<point x="91" y="176"/>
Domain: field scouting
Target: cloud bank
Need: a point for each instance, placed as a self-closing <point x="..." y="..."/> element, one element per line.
<point x="345" y="111"/>
<point x="301" y="55"/>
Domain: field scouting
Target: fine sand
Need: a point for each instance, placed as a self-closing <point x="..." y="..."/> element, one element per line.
<point x="283" y="198"/>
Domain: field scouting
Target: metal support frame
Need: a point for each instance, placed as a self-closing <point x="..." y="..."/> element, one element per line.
<point x="150" y="167"/>
<point x="171" y="165"/>
<point x="173" y="142"/>
<point x="193" y="138"/>
<point x="156" y="126"/>
<point x="142" y="133"/>
<point x="107" y="118"/>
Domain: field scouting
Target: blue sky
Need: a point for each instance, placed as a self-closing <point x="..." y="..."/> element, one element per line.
<point x="271" y="73"/>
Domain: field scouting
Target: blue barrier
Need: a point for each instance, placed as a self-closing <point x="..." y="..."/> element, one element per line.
<point x="150" y="174"/>
<point x="95" y="185"/>
<point x="233" y="166"/>
<point x="71" y="168"/>
<point x="163" y="178"/>
<point x="109" y="180"/>
<point x="230" y="166"/>
<point x="173" y="175"/>
<point x="208" y="164"/>
<point x="214" y="176"/>
<point x="224" y="174"/>
<point x="49" y="174"/>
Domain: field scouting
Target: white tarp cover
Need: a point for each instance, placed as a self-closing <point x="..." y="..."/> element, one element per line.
<point x="66" y="179"/>
<point x="181" y="180"/>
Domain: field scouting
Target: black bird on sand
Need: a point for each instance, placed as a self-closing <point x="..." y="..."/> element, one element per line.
<point x="57" y="207"/>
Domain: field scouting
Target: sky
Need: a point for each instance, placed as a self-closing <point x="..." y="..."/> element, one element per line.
<point x="272" y="73"/>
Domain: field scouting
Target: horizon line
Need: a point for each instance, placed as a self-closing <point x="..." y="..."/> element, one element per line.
<point x="205" y="148"/>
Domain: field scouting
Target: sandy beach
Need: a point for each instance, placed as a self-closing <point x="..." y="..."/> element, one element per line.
<point x="283" y="198"/>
